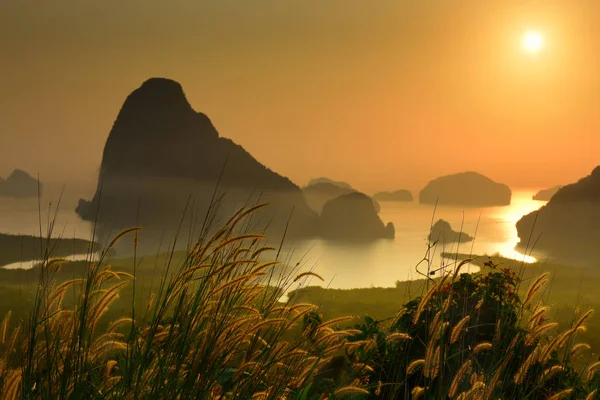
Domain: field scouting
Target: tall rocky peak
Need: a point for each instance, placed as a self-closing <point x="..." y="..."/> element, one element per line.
<point x="158" y="133"/>
<point x="160" y="151"/>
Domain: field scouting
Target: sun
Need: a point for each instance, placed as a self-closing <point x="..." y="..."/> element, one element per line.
<point x="533" y="42"/>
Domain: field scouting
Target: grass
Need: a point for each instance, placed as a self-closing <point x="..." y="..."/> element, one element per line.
<point x="209" y="323"/>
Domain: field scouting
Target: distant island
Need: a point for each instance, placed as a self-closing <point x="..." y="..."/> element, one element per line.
<point x="546" y="194"/>
<point x="319" y="193"/>
<point x="20" y="184"/>
<point x="17" y="248"/>
<point x="568" y="226"/>
<point x="469" y="189"/>
<point x="353" y="217"/>
<point x="442" y="232"/>
<point x="317" y="181"/>
<point x="398" y="195"/>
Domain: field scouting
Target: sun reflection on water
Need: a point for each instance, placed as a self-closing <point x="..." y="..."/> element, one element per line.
<point x="521" y="204"/>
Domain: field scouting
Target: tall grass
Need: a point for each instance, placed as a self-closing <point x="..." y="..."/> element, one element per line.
<point x="215" y="328"/>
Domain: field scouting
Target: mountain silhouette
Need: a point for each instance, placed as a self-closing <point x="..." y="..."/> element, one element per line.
<point x="160" y="153"/>
<point x="20" y="184"/>
<point x="568" y="225"/>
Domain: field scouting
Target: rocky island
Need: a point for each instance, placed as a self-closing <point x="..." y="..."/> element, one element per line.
<point x="442" y="232"/>
<point x="469" y="189"/>
<point x="20" y="184"/>
<point x="162" y="157"/>
<point x="353" y="217"/>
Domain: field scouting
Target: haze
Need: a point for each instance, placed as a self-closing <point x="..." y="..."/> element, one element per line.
<point x="381" y="94"/>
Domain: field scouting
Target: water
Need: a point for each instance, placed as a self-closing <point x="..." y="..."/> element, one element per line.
<point x="377" y="264"/>
<point x="383" y="262"/>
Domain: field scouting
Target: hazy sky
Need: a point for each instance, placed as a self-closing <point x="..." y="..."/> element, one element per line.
<point x="384" y="94"/>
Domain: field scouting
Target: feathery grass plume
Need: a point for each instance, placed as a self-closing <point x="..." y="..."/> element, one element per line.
<point x="338" y="320"/>
<point x="534" y="288"/>
<point x="592" y="369"/>
<point x="561" y="394"/>
<point x="460" y="265"/>
<point x="562" y="341"/>
<point x="415" y="365"/>
<point x="579" y="347"/>
<point x="5" y="326"/>
<point x="417" y="392"/>
<point x="397" y="336"/>
<point x="121" y="234"/>
<point x="550" y="372"/>
<point x="583" y="318"/>
<point x="432" y="362"/>
<point x="425" y="299"/>
<point x="536" y="333"/>
<point x="477" y="389"/>
<point x="463" y="371"/>
<point x="261" y="250"/>
<point x="304" y="274"/>
<point x="591" y="395"/>
<point x="458" y="328"/>
<point x="535" y="317"/>
<point x="11" y="391"/>
<point x="485" y="346"/>
<point x="529" y="361"/>
<point x="479" y="304"/>
<point x="351" y="390"/>
<point x="54" y="264"/>
<point x="435" y="323"/>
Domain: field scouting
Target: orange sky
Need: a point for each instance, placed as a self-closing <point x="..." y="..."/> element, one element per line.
<point x="384" y="94"/>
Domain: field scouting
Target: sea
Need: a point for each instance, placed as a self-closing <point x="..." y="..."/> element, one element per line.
<point x="341" y="265"/>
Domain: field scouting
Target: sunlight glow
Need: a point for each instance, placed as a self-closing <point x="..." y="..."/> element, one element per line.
<point x="533" y="42"/>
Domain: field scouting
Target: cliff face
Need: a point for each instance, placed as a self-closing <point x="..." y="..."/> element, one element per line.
<point x="466" y="189"/>
<point x="569" y="225"/>
<point x="160" y="153"/>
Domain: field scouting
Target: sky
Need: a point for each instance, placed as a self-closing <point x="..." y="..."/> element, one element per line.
<point x="383" y="94"/>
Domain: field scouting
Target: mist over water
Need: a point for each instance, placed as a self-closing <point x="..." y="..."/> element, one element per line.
<point x="341" y="264"/>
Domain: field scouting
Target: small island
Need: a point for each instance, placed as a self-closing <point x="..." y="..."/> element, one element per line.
<point x="23" y="248"/>
<point x="469" y="189"/>
<point x="341" y="184"/>
<point x="546" y="194"/>
<point x="20" y="184"/>
<point x="398" y="195"/>
<point x="320" y="193"/>
<point x="442" y="232"/>
<point x="353" y="217"/>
